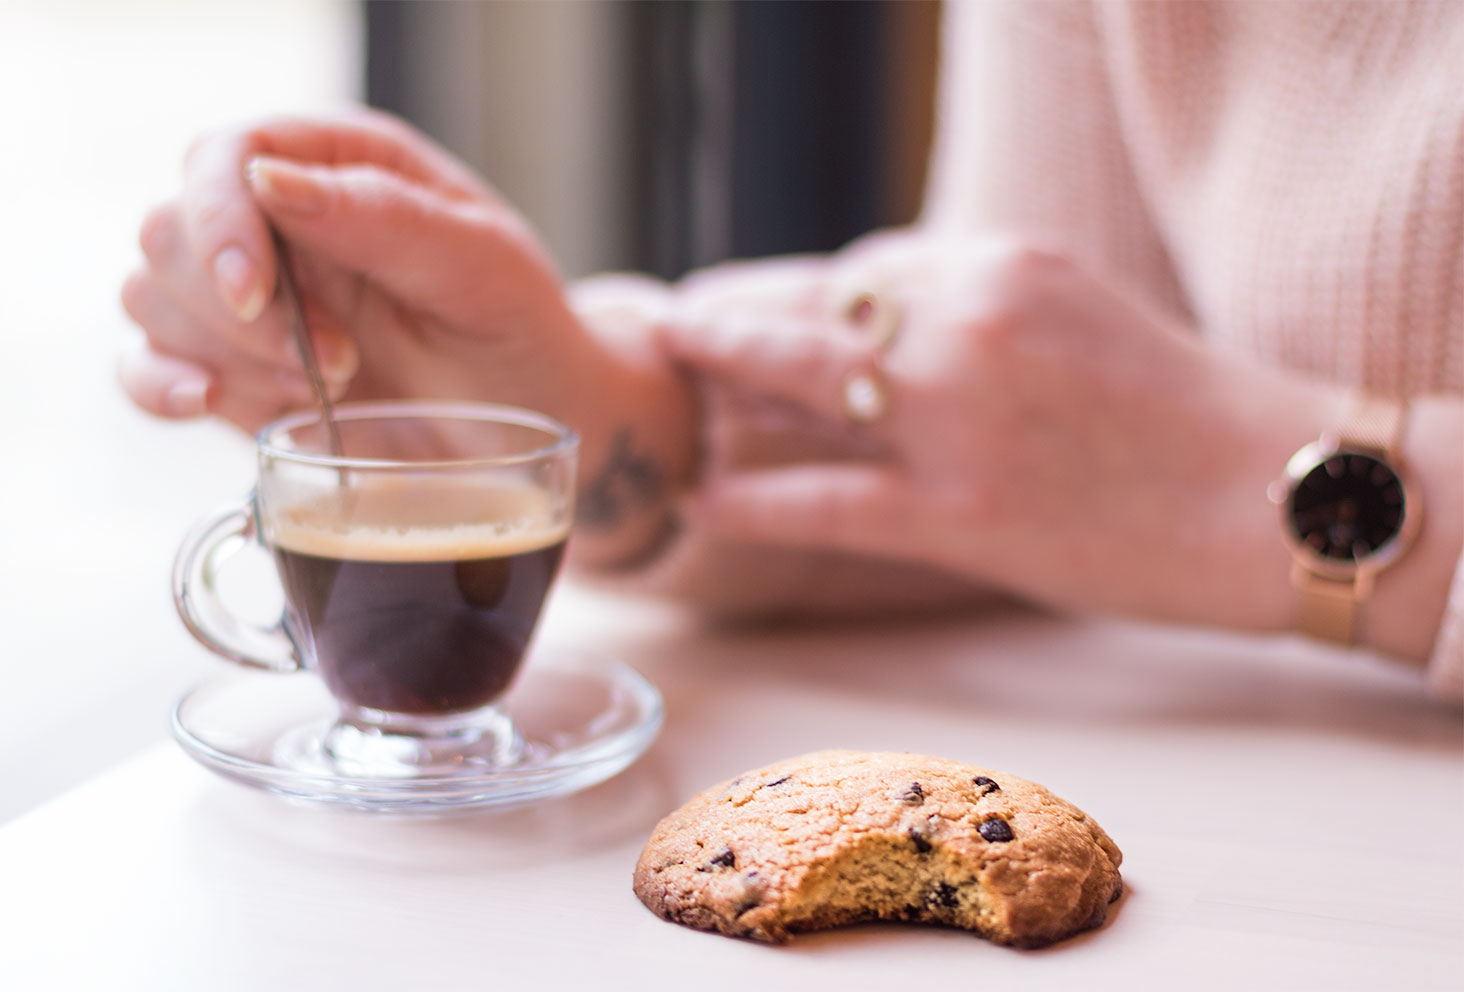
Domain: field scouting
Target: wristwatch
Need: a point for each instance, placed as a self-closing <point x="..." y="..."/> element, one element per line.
<point x="1348" y="510"/>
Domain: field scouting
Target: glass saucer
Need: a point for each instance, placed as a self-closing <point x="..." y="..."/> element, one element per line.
<point x="582" y="718"/>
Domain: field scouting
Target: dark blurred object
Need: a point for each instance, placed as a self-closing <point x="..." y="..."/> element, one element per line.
<point x="744" y="128"/>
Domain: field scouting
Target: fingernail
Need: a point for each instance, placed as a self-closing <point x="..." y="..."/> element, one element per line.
<point x="238" y="281"/>
<point x="286" y="185"/>
<point x="188" y="398"/>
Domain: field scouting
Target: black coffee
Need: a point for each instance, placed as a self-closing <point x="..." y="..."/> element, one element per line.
<point x="425" y="623"/>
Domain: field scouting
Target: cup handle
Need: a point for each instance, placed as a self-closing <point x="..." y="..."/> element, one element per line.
<point x="203" y="554"/>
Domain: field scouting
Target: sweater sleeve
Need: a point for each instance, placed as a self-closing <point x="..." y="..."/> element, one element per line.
<point x="1029" y="139"/>
<point x="1446" y="665"/>
<point x="1108" y="128"/>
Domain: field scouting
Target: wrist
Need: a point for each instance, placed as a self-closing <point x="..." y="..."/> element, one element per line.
<point x="1408" y="600"/>
<point x="637" y="418"/>
<point x="1249" y="583"/>
<point x="1389" y="592"/>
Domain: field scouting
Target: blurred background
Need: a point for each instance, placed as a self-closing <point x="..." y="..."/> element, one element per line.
<point x="635" y="135"/>
<point x="664" y="136"/>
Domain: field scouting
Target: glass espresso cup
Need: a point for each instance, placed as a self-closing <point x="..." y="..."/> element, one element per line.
<point x="414" y="565"/>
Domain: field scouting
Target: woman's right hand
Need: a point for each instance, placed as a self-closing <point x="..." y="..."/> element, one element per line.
<point x="417" y="280"/>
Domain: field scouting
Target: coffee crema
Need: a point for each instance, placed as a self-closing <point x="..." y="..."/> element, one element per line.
<point x="417" y="602"/>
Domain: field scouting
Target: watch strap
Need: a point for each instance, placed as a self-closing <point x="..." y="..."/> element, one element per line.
<point x="1326" y="608"/>
<point x="1372" y="423"/>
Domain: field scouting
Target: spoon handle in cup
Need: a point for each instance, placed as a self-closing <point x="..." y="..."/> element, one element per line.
<point x="306" y="346"/>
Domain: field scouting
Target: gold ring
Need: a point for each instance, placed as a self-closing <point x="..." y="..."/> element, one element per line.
<point x="876" y="317"/>
<point x="866" y="396"/>
<point x="866" y="391"/>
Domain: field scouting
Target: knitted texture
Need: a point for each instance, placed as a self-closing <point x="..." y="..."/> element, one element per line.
<point x="1286" y="176"/>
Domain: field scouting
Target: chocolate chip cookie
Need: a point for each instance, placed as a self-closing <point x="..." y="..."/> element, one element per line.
<point x="840" y="837"/>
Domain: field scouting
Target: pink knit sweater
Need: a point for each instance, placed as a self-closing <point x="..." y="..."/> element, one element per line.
<point x="1285" y="175"/>
<point x="1288" y="174"/>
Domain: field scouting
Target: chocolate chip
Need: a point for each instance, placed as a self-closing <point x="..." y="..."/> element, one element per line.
<point x="985" y="786"/>
<point x="750" y="901"/>
<point x="943" y="895"/>
<point x="752" y="893"/>
<point x="996" y="830"/>
<point x="914" y="796"/>
<point x="726" y="859"/>
<point x="918" y="838"/>
<point x="778" y="781"/>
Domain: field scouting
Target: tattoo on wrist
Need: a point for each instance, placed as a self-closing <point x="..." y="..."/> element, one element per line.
<point x="626" y="484"/>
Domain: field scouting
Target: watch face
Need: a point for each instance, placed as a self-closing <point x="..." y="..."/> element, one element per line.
<point x="1348" y="507"/>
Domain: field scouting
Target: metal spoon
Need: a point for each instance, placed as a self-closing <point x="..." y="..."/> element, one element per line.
<point x="308" y="359"/>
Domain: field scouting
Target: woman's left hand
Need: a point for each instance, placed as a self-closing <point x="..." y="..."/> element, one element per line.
<point x="1043" y="434"/>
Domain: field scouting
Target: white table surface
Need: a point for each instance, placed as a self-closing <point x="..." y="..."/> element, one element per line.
<point x="1290" y="818"/>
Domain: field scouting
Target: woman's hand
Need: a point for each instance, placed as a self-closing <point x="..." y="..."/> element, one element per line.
<point x="416" y="280"/>
<point x="1043" y="435"/>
